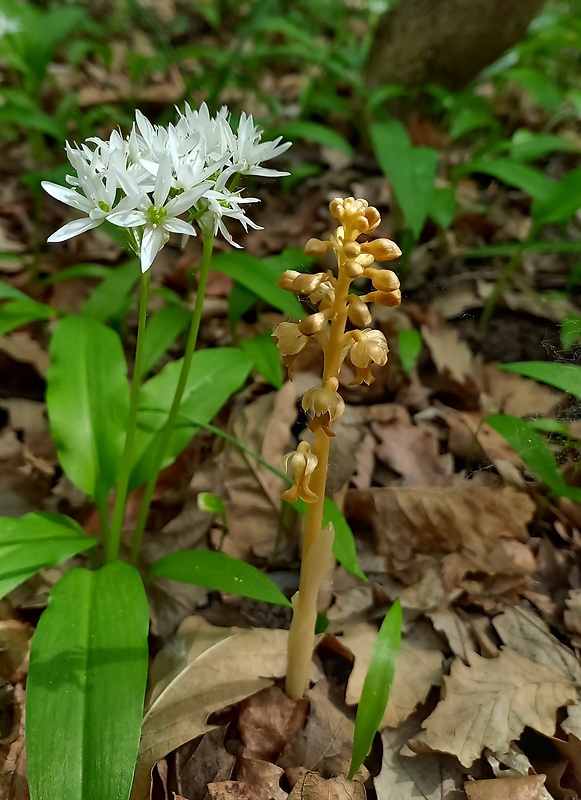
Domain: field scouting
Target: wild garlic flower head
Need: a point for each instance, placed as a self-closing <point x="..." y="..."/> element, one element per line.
<point x="160" y="180"/>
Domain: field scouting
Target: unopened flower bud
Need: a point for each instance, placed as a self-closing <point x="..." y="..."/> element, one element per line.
<point x="358" y="312"/>
<point x="337" y="208"/>
<point x="373" y="218"/>
<point x="353" y="268"/>
<point x="316" y="247"/>
<point x="382" y="249"/>
<point x="352" y="249"/>
<point x="387" y="299"/>
<point x="305" y="284"/>
<point x="312" y="324"/>
<point x="287" y="279"/>
<point x="383" y="279"/>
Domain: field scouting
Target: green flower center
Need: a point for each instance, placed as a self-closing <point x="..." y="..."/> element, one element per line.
<point x="103" y="206"/>
<point x="155" y="215"/>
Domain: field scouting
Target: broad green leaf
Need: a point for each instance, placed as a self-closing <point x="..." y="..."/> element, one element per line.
<point x="37" y="540"/>
<point x="513" y="173"/>
<point x="410" y="346"/>
<point x="290" y="258"/>
<point x="219" y="572"/>
<point x="566" y="377"/>
<point x="570" y="331"/>
<point x="31" y="119"/>
<point x="574" y="277"/>
<point x="163" y="328"/>
<point x="534" y="451"/>
<point x="16" y="313"/>
<point x="255" y="275"/>
<point x="541" y="87"/>
<point x="537" y="247"/>
<point x="78" y="271"/>
<point x="240" y="301"/>
<point x="411" y="170"/>
<point x="560" y="202"/>
<point x="212" y="503"/>
<point x="376" y="687"/>
<point x="465" y="120"/>
<point x="265" y="357"/>
<point x="86" y="686"/>
<point x="214" y="376"/>
<point x="111" y="297"/>
<point x="444" y="205"/>
<point x="314" y="132"/>
<point x="88" y="402"/>
<point x="8" y="292"/>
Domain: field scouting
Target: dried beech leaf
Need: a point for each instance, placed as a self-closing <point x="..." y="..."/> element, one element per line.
<point x="418" y="668"/>
<point x="223" y="674"/>
<point x="489" y="703"/>
<point x="526" y="788"/>
<point x="313" y="787"/>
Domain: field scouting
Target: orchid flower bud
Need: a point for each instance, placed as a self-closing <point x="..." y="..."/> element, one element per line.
<point x="303" y="463"/>
<point x="383" y="279"/>
<point x="382" y="249"/>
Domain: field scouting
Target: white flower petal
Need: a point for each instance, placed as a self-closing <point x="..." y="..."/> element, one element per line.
<point x="179" y="226"/>
<point x="127" y="219"/>
<point x="74" y="228"/>
<point x="151" y="244"/>
<point x="67" y="196"/>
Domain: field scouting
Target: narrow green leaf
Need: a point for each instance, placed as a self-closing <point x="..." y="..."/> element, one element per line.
<point x="161" y="332"/>
<point x="214" y="376"/>
<point x="443" y="207"/>
<point x="240" y="301"/>
<point x="8" y="292"/>
<point x="411" y="170"/>
<point x="511" y="247"/>
<point x="344" y="542"/>
<point x="513" y="173"/>
<point x="255" y="275"/>
<point x="560" y="202"/>
<point x="314" y="132"/>
<point x="376" y="687"/>
<point x="570" y="331"/>
<point x="86" y="686"/>
<point x="410" y="346"/>
<point x="534" y="451"/>
<point x="219" y="572"/>
<point x="111" y="297"/>
<point x="528" y="146"/>
<point x="37" y="540"/>
<point x="16" y="313"/>
<point x="265" y="356"/>
<point x="78" y="271"/>
<point x="566" y="377"/>
<point x="88" y="402"/>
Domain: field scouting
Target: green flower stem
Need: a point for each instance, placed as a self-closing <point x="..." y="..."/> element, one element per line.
<point x="113" y="541"/>
<point x="172" y="418"/>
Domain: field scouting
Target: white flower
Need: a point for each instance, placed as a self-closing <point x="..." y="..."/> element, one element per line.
<point x="8" y="25"/>
<point x="248" y="152"/>
<point x="220" y="202"/>
<point x="158" y="217"/>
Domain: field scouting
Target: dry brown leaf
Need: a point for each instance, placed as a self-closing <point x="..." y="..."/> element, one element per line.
<point x="489" y="703"/>
<point x="231" y="790"/>
<point x="527" y="634"/>
<point x="418" y="668"/>
<point x="325" y="743"/>
<point x="472" y="521"/>
<point x="313" y="787"/>
<point x="510" y="393"/>
<point x="413" y="452"/>
<point x="457" y="632"/>
<point x="261" y="777"/>
<point x="13" y="783"/>
<point x="199" y="763"/>
<point x="450" y="354"/>
<point x="572" y="614"/>
<point x="430" y="776"/>
<point x="223" y="674"/>
<point x="527" y="787"/>
<point x="15" y="639"/>
<point x="268" y="720"/>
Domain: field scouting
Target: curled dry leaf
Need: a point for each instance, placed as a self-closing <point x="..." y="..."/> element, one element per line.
<point x="261" y="777"/>
<point x="268" y="721"/>
<point x="231" y="790"/>
<point x="219" y="676"/>
<point x="479" y="525"/>
<point x="199" y="763"/>
<point x="313" y="787"/>
<point x="527" y="787"/>
<point x="418" y="668"/>
<point x="490" y="702"/>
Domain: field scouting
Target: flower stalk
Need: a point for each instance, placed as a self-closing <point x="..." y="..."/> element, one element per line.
<point x="336" y="309"/>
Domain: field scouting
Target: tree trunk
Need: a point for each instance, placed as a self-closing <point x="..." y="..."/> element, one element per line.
<point x="447" y="42"/>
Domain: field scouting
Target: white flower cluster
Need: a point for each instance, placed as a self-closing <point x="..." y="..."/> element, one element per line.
<point x="148" y="181"/>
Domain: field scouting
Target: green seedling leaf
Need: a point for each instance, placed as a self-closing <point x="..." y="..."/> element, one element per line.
<point x="344" y="542"/>
<point x="265" y="356"/>
<point x="219" y="572"/>
<point x="376" y="687"/>
<point x="410" y="346"/>
<point x="37" y="540"/>
<point x="528" y="179"/>
<point x="547" y="425"/>
<point x="16" y="313"/>
<point x="8" y="292"/>
<point x="255" y="275"/>
<point x="566" y="377"/>
<point x="161" y="332"/>
<point x="111" y="297"/>
<point x="216" y="374"/>
<point x="211" y="503"/>
<point x="528" y="146"/>
<point x="570" y="331"/>
<point x="411" y="170"/>
<point x="540" y="86"/>
<point x="86" y="686"/>
<point x="88" y="402"/>
<point x="534" y="451"/>
<point x="560" y="202"/>
<point x="314" y="132"/>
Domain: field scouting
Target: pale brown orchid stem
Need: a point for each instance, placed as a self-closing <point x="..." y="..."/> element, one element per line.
<point x="317" y="544"/>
